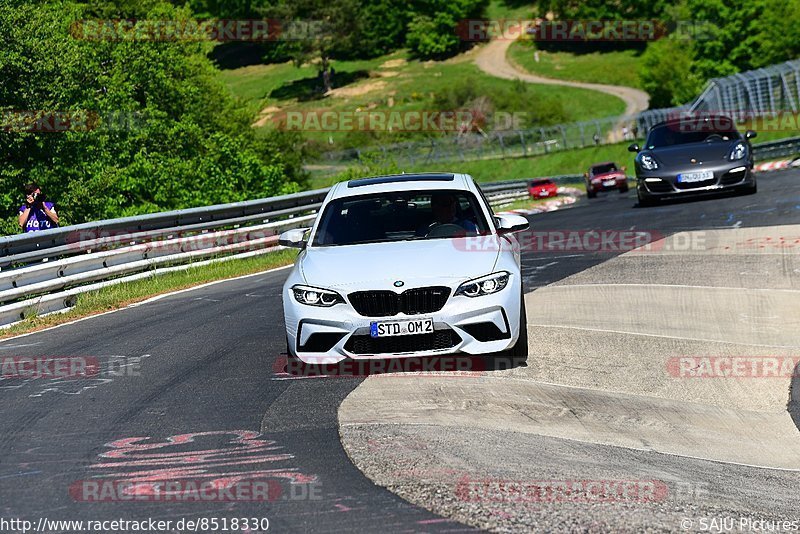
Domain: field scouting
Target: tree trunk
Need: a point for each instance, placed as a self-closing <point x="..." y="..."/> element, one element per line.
<point x="326" y="74"/>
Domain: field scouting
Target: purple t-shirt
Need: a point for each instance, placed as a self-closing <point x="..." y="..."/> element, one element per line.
<point x="38" y="219"/>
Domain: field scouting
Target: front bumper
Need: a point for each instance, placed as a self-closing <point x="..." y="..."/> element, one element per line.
<point x="543" y="193"/>
<point x="479" y="325"/>
<point x="656" y="184"/>
<point x="619" y="183"/>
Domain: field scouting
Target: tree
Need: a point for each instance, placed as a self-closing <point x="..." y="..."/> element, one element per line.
<point x="164" y="132"/>
<point x="778" y="33"/>
<point x="667" y="73"/>
<point x="319" y="31"/>
<point x="432" y="32"/>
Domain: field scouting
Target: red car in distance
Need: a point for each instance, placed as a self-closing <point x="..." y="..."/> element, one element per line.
<point x="605" y="177"/>
<point x="542" y="188"/>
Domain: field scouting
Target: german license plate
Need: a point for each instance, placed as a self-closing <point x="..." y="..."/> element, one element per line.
<point x="701" y="176"/>
<point x="400" y="328"/>
<point x="610" y="183"/>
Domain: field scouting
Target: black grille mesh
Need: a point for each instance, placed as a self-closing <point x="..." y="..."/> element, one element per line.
<point x="438" y="340"/>
<point x="388" y="303"/>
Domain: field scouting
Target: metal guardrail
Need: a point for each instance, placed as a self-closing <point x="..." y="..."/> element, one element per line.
<point x="12" y="247"/>
<point x="51" y="267"/>
<point x="777" y="149"/>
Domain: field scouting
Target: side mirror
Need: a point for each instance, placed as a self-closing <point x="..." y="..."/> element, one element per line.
<point x="749" y="134"/>
<point x="293" y="238"/>
<point x="507" y="224"/>
<point x="634" y="147"/>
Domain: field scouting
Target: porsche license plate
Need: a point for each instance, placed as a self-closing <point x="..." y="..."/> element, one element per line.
<point x="702" y="176"/>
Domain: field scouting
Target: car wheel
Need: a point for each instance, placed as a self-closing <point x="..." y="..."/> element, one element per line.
<point x="643" y="200"/>
<point x="750" y="189"/>
<point x="591" y="194"/>
<point x="294" y="365"/>
<point x="623" y="189"/>
<point x="519" y="352"/>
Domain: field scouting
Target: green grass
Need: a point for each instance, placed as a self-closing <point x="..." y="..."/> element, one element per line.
<point x="500" y="9"/>
<point x="409" y="86"/>
<point x="575" y="161"/>
<point x="121" y="295"/>
<point x="614" y="68"/>
<point x="254" y="83"/>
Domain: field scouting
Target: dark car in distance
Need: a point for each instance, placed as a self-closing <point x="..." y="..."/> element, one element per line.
<point x="691" y="156"/>
<point x="605" y="177"/>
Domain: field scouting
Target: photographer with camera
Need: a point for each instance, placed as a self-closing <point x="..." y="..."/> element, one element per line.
<point x="36" y="213"/>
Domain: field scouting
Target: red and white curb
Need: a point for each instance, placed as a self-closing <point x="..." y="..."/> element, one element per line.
<point x="777" y="165"/>
<point x="567" y="197"/>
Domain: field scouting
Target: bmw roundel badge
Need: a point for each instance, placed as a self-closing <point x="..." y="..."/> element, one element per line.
<point x="399" y="283"/>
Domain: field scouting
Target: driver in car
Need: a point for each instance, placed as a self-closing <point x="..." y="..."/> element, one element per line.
<point x="445" y="211"/>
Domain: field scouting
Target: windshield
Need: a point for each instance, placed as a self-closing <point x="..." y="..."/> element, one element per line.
<point x="670" y="135"/>
<point x="400" y="216"/>
<point x="602" y="169"/>
<point x="537" y="183"/>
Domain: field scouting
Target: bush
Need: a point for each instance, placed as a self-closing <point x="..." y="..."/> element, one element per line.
<point x="176" y="138"/>
<point x="667" y="73"/>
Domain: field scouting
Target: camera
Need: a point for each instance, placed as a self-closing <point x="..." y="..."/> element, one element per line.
<point x="38" y="199"/>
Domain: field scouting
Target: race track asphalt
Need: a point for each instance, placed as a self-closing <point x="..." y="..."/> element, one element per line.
<point x="210" y="361"/>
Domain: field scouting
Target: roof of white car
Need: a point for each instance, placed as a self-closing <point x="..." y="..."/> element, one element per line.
<point x="401" y="182"/>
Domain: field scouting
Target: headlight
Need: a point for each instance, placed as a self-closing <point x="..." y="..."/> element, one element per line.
<point x="314" y="296"/>
<point x="648" y="162"/>
<point x="485" y="285"/>
<point x="739" y="151"/>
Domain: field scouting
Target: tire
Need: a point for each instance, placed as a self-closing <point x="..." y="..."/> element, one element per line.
<point x="519" y="352"/>
<point x="623" y="189"/>
<point x="644" y="202"/>
<point x="750" y="189"/>
<point x="293" y="363"/>
<point x="591" y="194"/>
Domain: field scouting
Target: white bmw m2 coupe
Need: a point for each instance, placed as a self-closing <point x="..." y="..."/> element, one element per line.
<point x="405" y="265"/>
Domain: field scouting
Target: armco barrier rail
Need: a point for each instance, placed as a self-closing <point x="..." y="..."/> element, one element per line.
<point x="43" y="272"/>
<point x="777" y="149"/>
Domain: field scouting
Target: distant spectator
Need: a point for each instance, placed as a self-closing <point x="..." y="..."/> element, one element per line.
<point x="36" y="213"/>
<point x="596" y="139"/>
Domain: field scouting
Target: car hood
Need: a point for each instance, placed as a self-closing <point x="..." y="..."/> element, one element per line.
<point x="415" y="263"/>
<point x="682" y="155"/>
